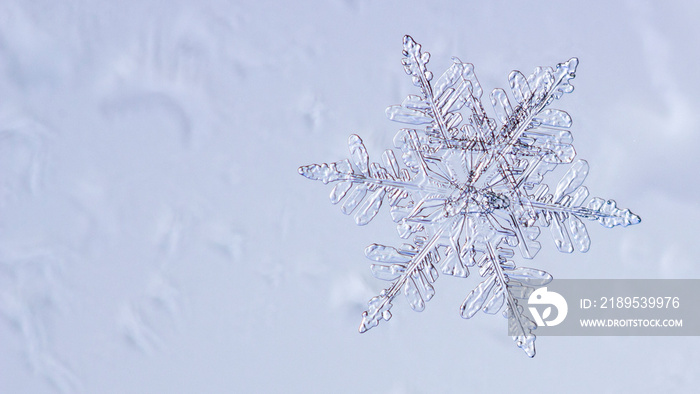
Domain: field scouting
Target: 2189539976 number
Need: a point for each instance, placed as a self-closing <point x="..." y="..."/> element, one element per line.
<point x="639" y="302"/>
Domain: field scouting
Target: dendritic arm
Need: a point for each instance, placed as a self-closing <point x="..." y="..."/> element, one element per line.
<point x="414" y="272"/>
<point x="549" y="86"/>
<point x="439" y="103"/>
<point x="505" y="283"/>
<point x="363" y="186"/>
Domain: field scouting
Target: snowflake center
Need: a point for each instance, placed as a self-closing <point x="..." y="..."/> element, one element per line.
<point x="491" y="201"/>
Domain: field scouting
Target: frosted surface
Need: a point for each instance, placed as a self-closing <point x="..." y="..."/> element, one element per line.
<point x="155" y="236"/>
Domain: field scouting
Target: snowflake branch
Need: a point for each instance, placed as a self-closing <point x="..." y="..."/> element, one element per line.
<point x="379" y="306"/>
<point x="525" y="340"/>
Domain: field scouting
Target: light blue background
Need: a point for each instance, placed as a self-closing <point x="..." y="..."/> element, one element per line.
<point x="155" y="236"/>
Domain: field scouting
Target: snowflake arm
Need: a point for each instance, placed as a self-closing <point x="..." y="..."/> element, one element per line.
<point x="437" y="106"/>
<point x="411" y="270"/>
<point x="505" y="284"/>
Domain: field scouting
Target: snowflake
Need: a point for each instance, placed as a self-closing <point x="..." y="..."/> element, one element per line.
<point x="471" y="191"/>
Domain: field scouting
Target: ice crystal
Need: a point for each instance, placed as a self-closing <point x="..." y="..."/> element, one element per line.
<point x="471" y="189"/>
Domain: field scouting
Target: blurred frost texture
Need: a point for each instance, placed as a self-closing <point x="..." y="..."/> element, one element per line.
<point x="473" y="189"/>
